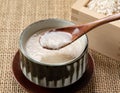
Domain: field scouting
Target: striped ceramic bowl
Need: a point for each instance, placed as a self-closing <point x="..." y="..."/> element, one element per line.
<point x="51" y="75"/>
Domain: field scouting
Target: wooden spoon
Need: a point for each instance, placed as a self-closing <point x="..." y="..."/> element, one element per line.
<point x="84" y="28"/>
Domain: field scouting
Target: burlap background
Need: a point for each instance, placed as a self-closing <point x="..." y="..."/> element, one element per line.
<point x="15" y="15"/>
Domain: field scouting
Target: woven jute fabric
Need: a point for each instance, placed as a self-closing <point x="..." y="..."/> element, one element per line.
<point x="15" y="15"/>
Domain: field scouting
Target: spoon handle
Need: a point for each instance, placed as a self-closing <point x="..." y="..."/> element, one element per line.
<point x="99" y="22"/>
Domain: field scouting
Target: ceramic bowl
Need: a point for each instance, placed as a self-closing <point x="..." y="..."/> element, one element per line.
<point x="51" y="75"/>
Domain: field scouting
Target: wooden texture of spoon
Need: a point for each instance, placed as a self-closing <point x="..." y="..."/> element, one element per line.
<point x="84" y="28"/>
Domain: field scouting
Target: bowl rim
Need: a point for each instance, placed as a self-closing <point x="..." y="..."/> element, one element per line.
<point x="22" y="50"/>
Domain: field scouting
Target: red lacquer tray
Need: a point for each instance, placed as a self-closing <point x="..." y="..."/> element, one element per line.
<point x="33" y="88"/>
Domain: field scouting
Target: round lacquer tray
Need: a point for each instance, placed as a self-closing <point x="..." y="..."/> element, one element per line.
<point x="33" y="88"/>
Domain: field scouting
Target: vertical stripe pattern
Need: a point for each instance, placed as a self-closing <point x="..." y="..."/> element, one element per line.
<point x="53" y="76"/>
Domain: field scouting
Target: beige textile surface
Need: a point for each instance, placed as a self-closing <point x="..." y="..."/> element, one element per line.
<point x="15" y="15"/>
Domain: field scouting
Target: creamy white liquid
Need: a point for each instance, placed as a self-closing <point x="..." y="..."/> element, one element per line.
<point x="38" y="53"/>
<point x="55" y="40"/>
